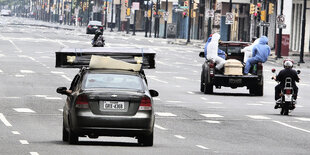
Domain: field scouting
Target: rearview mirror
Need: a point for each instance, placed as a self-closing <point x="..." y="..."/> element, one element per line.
<point x="202" y="54"/>
<point x="154" y="93"/>
<point x="62" y="90"/>
<point x="298" y="71"/>
<point x="273" y="70"/>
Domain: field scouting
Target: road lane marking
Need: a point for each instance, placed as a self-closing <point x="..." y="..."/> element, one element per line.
<point x="211" y="115"/>
<point x="294" y="127"/>
<point x="299" y="106"/>
<point x="56" y="72"/>
<point x="19" y="75"/>
<point x="24" y="110"/>
<point x="40" y="96"/>
<point x="212" y="122"/>
<point x="66" y="77"/>
<point x="34" y="153"/>
<point x="12" y="97"/>
<point x="24" y="142"/>
<point x="1" y="71"/>
<point x="4" y="120"/>
<point x="202" y="147"/>
<point x="190" y="92"/>
<point x="254" y="104"/>
<point x="215" y="102"/>
<point x="15" y="132"/>
<point x="258" y="117"/>
<point x="53" y="98"/>
<point x="1" y="55"/>
<point x="160" y="127"/>
<point x="181" y="78"/>
<point x="156" y="99"/>
<point x="18" y="49"/>
<point x="165" y="114"/>
<point x="302" y="118"/>
<point x="26" y="71"/>
<point x="61" y="110"/>
<point x="159" y="80"/>
<point x="264" y="102"/>
<point x="179" y="136"/>
<point x="203" y="98"/>
<point x="173" y="101"/>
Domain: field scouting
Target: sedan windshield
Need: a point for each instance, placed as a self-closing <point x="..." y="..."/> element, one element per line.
<point x="117" y="81"/>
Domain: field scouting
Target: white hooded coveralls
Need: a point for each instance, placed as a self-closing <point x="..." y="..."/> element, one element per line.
<point x="212" y="51"/>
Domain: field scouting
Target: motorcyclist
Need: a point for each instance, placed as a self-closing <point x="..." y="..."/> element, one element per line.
<point x="97" y="34"/>
<point x="260" y="53"/>
<point x="212" y="49"/>
<point x="220" y="52"/>
<point x="283" y="74"/>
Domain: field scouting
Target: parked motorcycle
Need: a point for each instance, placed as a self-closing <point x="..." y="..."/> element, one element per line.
<point x="286" y="101"/>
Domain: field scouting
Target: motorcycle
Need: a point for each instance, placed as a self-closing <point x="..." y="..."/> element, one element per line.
<point x="286" y="101"/>
<point x="99" y="42"/>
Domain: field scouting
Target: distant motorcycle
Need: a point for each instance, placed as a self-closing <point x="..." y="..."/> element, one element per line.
<point x="287" y="101"/>
<point x="99" y="42"/>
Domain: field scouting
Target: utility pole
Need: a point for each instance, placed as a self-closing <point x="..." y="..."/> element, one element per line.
<point x="209" y="20"/>
<point x="112" y="16"/>
<point x="119" y="15"/>
<point x="301" y="59"/>
<point x="189" y="21"/>
<point x="229" y="26"/>
<point x="280" y="36"/>
<point x="150" y="27"/>
<point x="71" y="19"/>
<point x="105" y="15"/>
<point x="165" y="30"/>
<point x="267" y="17"/>
<point x="134" y="23"/>
<point x="128" y="19"/>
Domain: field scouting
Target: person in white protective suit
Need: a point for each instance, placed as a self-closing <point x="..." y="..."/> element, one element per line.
<point x="248" y="50"/>
<point x="213" y="51"/>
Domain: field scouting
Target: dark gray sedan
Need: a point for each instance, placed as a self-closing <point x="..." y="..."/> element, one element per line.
<point x="108" y="103"/>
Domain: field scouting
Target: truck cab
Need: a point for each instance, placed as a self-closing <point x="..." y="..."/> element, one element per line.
<point x="211" y="77"/>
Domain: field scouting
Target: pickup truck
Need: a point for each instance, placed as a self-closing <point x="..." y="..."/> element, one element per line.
<point x="211" y="77"/>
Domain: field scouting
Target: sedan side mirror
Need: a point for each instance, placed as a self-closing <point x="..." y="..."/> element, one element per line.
<point x="62" y="90"/>
<point x="202" y="54"/>
<point x="154" y="93"/>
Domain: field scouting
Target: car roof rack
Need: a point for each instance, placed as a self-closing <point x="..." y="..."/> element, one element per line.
<point x="80" y="57"/>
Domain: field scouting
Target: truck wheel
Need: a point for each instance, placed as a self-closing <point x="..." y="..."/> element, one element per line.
<point x="202" y="83"/>
<point x="208" y="89"/>
<point x="259" y="90"/>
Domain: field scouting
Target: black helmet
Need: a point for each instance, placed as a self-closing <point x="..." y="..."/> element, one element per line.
<point x="98" y="32"/>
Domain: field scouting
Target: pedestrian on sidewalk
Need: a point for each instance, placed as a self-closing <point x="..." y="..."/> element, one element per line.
<point x="60" y="19"/>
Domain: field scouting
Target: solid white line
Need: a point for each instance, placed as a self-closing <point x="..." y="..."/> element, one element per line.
<point x="179" y="136"/>
<point x="202" y="147"/>
<point x="23" y="110"/>
<point x="166" y="114"/>
<point x="56" y="72"/>
<point x="254" y="104"/>
<point x="41" y="96"/>
<point x="23" y="141"/>
<point x="66" y="77"/>
<point x="13" y="97"/>
<point x="211" y="115"/>
<point x="15" y="132"/>
<point x="304" y="130"/>
<point x="34" y="153"/>
<point x="258" y="117"/>
<point x="215" y="102"/>
<point x="4" y="120"/>
<point x="159" y="127"/>
<point x="53" y="98"/>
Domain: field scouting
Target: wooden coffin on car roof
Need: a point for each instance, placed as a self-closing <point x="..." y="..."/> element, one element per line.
<point x="79" y="57"/>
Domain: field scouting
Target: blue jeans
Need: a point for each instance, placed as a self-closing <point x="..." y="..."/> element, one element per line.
<point x="249" y="63"/>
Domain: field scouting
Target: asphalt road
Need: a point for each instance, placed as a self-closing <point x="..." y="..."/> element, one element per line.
<point x="187" y="121"/>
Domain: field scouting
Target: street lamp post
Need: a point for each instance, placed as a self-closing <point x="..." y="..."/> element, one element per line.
<point x="165" y="30"/>
<point x="189" y="21"/>
<point x="112" y="15"/>
<point x="146" y="18"/>
<point x="301" y="60"/>
<point x="280" y="36"/>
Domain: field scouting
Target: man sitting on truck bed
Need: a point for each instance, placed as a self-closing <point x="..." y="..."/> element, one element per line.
<point x="260" y="53"/>
<point x="212" y="49"/>
<point x="220" y="52"/>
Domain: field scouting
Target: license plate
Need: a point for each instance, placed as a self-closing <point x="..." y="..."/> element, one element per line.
<point x="95" y="27"/>
<point x="288" y="97"/>
<point x="113" y="105"/>
<point x="235" y="81"/>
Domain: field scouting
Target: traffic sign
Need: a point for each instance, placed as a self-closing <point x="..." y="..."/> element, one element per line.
<point x="264" y="24"/>
<point x="229" y="18"/>
<point x="209" y="13"/>
<point x="281" y="19"/>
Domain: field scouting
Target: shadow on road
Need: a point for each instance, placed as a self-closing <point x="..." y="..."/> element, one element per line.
<point x="101" y="143"/>
<point x="227" y="94"/>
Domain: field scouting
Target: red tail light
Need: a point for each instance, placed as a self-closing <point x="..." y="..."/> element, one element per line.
<point x="288" y="91"/>
<point x="101" y="28"/>
<point x="89" y="26"/>
<point x="145" y="104"/>
<point x="81" y="102"/>
<point x="211" y="65"/>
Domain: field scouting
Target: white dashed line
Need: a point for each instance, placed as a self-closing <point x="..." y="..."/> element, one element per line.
<point x="202" y="147"/>
<point x="264" y="102"/>
<point x="181" y="78"/>
<point x="61" y="110"/>
<point x="15" y="132"/>
<point x="1" y="55"/>
<point x="40" y="96"/>
<point x="24" y="110"/>
<point x="215" y="102"/>
<point x="254" y="104"/>
<point x="211" y="115"/>
<point x="53" y="98"/>
<point x="56" y="72"/>
<point x="26" y="71"/>
<point x="302" y="118"/>
<point x="156" y="99"/>
<point x="24" y="142"/>
<point x="190" y="92"/>
<point x="18" y="75"/>
<point x="212" y="122"/>
<point x="299" y="106"/>
<point x="1" y="71"/>
<point x="159" y="80"/>
<point x="173" y="101"/>
<point x="159" y="127"/>
<point x="203" y="98"/>
<point x="34" y="153"/>
<point x="258" y="117"/>
<point x="66" y="77"/>
<point x="13" y="97"/>
<point x="293" y="127"/>
<point x="4" y="120"/>
<point x="179" y="136"/>
<point x="165" y="114"/>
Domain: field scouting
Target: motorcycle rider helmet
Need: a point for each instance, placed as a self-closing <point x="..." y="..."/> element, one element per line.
<point x="288" y="63"/>
<point x="98" y="32"/>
